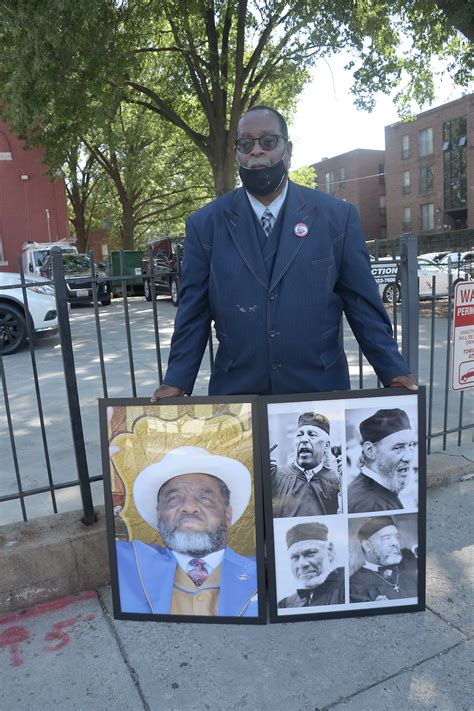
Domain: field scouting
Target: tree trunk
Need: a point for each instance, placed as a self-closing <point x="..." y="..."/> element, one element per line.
<point x="128" y="225"/>
<point x="224" y="166"/>
<point x="79" y="218"/>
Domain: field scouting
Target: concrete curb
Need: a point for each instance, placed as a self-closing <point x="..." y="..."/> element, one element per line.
<point x="55" y="556"/>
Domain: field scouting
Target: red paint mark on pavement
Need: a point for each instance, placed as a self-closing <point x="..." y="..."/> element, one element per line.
<point x="45" y="607"/>
<point x="12" y="637"/>
<point x="58" y="634"/>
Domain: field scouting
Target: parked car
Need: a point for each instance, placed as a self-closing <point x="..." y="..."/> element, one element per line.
<point x="426" y="271"/>
<point x="77" y="273"/>
<point x="165" y="255"/>
<point x="41" y="311"/>
<point x="433" y="256"/>
<point x="459" y="261"/>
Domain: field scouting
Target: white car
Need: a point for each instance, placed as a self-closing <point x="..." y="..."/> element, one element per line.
<point x="13" y="313"/>
<point x="427" y="269"/>
<point x="459" y="261"/>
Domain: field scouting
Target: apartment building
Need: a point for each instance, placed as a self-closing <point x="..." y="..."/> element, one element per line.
<point x="430" y="170"/>
<point x="358" y="176"/>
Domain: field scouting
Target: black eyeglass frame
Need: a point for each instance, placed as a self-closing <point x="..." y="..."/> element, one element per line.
<point x="259" y="139"/>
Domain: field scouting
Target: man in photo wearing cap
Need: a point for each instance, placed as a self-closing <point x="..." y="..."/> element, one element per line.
<point x="192" y="498"/>
<point x="307" y="487"/>
<point x="312" y="557"/>
<point x="389" y="572"/>
<point x="388" y="448"/>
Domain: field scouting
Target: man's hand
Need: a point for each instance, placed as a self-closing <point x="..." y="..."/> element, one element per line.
<point x="166" y="391"/>
<point x="403" y="381"/>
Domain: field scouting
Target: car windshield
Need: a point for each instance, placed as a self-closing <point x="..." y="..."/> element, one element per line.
<point x="76" y="263"/>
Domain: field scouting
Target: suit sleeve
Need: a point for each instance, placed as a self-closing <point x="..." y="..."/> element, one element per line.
<point x="363" y="306"/>
<point x="193" y="318"/>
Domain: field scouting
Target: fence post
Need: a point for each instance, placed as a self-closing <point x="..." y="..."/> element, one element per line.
<point x="410" y="301"/>
<point x="71" y="386"/>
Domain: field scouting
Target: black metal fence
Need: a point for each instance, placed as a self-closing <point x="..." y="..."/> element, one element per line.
<point x="48" y="417"/>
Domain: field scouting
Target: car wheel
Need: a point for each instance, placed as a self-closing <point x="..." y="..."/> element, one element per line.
<point x="391" y="294"/>
<point x="174" y="291"/>
<point x="12" y="329"/>
<point x="106" y="302"/>
<point x="458" y="281"/>
<point x="147" y="289"/>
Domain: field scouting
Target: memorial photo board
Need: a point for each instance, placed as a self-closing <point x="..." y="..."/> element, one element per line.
<point x="345" y="503"/>
<point x="184" y="509"/>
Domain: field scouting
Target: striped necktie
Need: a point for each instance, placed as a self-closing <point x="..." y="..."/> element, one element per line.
<point x="198" y="572"/>
<point x="266" y="221"/>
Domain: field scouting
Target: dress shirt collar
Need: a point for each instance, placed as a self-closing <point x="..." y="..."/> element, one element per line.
<point x="274" y="207"/>
<point x="310" y="473"/>
<point x="371" y="566"/>
<point x="212" y="560"/>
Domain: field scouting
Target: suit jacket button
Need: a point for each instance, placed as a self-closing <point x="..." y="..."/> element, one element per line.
<point x="272" y="297"/>
<point x="271" y="334"/>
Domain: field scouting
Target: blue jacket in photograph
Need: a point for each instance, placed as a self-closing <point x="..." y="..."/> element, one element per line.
<point x="277" y="306"/>
<point x="146" y="575"/>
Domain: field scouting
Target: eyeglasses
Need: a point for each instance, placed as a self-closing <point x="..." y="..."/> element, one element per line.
<point x="268" y="142"/>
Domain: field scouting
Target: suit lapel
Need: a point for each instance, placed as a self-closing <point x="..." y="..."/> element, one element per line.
<point x="238" y="584"/>
<point x="241" y="225"/>
<point x="296" y="211"/>
<point x="156" y="569"/>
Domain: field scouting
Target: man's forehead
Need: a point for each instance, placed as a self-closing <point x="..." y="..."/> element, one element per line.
<point x="313" y="429"/>
<point x="402" y="437"/>
<point x="308" y="544"/>
<point x="193" y="480"/>
<point x="387" y="531"/>
<point x="259" y="120"/>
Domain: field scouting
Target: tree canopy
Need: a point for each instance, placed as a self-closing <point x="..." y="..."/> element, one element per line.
<point x="198" y="65"/>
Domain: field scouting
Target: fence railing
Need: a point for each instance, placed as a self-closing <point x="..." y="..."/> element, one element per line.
<point x="48" y="406"/>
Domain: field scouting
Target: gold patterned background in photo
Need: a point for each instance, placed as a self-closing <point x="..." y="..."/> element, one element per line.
<point x="139" y="436"/>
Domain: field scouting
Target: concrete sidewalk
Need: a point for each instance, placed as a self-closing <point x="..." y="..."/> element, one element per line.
<point x="72" y="654"/>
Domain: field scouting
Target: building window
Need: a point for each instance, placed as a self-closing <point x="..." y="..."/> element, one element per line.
<point x="455" y="164"/>
<point x="426" y="180"/>
<point x="382" y="204"/>
<point x="425" y="142"/>
<point x="407" y="219"/>
<point x="329" y="182"/>
<point x="383" y="232"/>
<point x="406" y="182"/>
<point x="381" y="174"/>
<point x="427" y="216"/>
<point x="405" y="147"/>
<point x="342" y="177"/>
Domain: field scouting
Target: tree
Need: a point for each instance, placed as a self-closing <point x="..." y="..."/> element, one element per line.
<point x="199" y="64"/>
<point x="82" y="179"/>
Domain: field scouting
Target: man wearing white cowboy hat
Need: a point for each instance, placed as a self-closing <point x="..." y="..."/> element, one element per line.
<point x="192" y="498"/>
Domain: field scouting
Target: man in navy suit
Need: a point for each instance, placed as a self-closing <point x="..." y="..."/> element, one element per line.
<point x="274" y="265"/>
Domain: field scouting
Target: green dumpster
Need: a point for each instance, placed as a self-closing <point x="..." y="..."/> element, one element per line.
<point x="132" y="270"/>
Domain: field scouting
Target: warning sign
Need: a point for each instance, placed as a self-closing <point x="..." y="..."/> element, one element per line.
<point x="463" y="336"/>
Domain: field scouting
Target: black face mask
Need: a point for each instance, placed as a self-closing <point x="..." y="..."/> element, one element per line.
<point x="263" y="181"/>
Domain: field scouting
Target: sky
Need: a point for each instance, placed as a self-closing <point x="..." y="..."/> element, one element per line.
<point x="327" y="123"/>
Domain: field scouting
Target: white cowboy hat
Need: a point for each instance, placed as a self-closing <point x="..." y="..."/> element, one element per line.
<point x="191" y="460"/>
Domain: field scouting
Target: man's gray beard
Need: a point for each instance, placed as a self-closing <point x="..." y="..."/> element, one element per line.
<point x="195" y="544"/>
<point x="390" y="479"/>
<point x="384" y="559"/>
<point x="319" y="579"/>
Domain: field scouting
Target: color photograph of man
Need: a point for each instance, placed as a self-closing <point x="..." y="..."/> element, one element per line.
<point x="192" y="498"/>
<point x="389" y="571"/>
<point x="387" y="462"/>
<point x="312" y="558"/>
<point x="308" y="485"/>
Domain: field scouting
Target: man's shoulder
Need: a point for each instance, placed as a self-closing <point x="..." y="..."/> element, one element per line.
<point x="361" y="575"/>
<point x="238" y="559"/>
<point x="131" y="550"/>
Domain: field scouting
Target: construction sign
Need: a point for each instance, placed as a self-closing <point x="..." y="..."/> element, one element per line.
<point x="463" y="336"/>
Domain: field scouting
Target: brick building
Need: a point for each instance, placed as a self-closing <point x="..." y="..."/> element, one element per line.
<point x="32" y="207"/>
<point x="430" y="170"/>
<point x="358" y="176"/>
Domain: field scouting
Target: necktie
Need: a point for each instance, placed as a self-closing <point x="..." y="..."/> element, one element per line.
<point x="266" y="221"/>
<point x="198" y="572"/>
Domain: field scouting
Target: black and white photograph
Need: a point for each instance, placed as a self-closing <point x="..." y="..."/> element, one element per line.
<point x="305" y="459"/>
<point x="344" y="493"/>
<point x="382" y="459"/>
<point x="383" y="557"/>
<point x="311" y="558"/>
